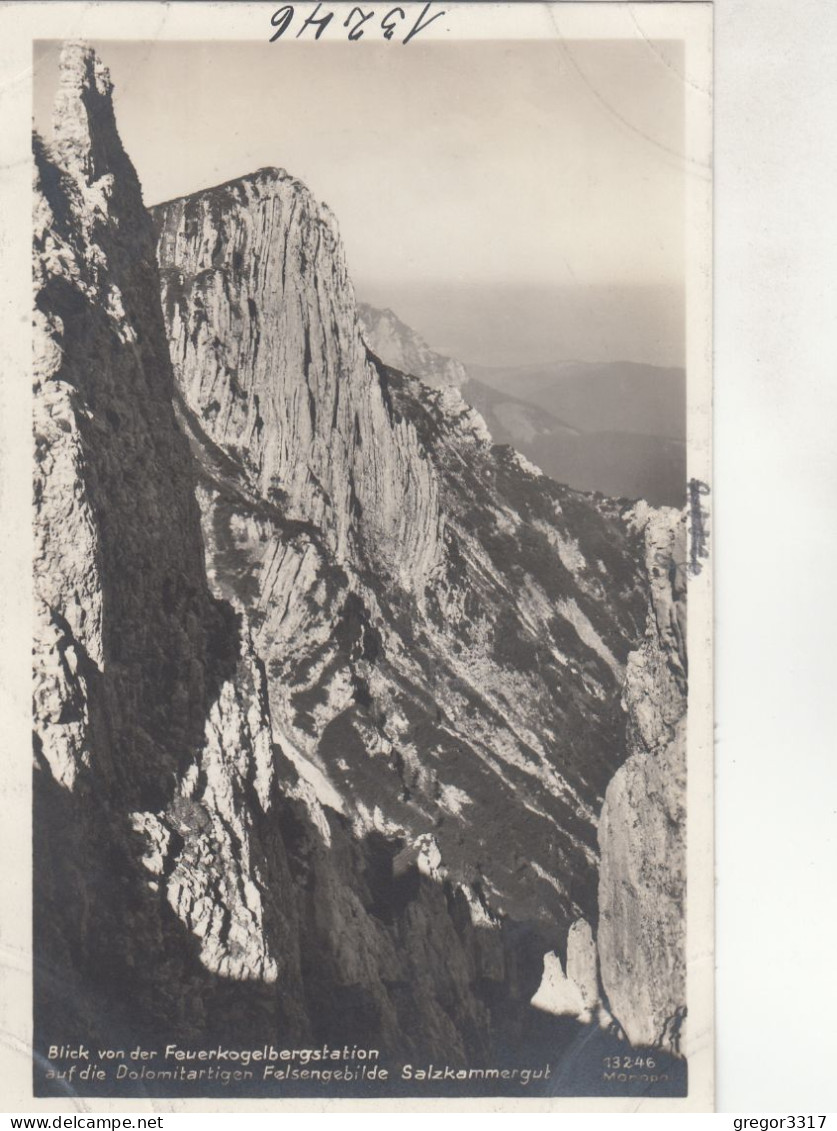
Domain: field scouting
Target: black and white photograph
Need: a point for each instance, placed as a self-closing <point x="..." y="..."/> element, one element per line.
<point x="371" y="559"/>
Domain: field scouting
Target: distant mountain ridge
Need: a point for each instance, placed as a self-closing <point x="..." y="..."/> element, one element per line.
<point x="615" y="396"/>
<point x="617" y="428"/>
<point x="402" y="348"/>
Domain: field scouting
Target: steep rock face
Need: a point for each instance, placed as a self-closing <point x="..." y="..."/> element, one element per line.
<point x="636" y="961"/>
<point x="400" y="347"/>
<point x="642" y="885"/>
<point x="91" y="300"/>
<point x="327" y="686"/>
<point x="185" y="875"/>
<point x="265" y="345"/>
<point x="444" y="629"/>
<point x="152" y="738"/>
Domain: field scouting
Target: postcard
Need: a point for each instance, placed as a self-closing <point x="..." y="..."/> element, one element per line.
<point x="366" y="578"/>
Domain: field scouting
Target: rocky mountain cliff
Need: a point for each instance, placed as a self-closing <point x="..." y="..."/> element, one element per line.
<point x="329" y="688"/>
<point x="445" y="643"/>
<point x="400" y="346"/>
<point x="642" y="876"/>
<point x="154" y="771"/>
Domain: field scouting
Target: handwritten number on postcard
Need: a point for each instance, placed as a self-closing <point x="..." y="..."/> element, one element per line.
<point x="394" y="19"/>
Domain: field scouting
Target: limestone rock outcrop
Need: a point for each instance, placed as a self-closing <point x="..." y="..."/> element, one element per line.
<point x="400" y="347"/>
<point x="152" y="739"/>
<point x="262" y="323"/>
<point x="642" y="833"/>
<point x="183" y="868"/>
<point x="444" y="629"/>
<point x="328" y="687"/>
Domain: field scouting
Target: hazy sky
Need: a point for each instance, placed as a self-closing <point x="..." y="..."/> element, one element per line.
<point x="475" y="172"/>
